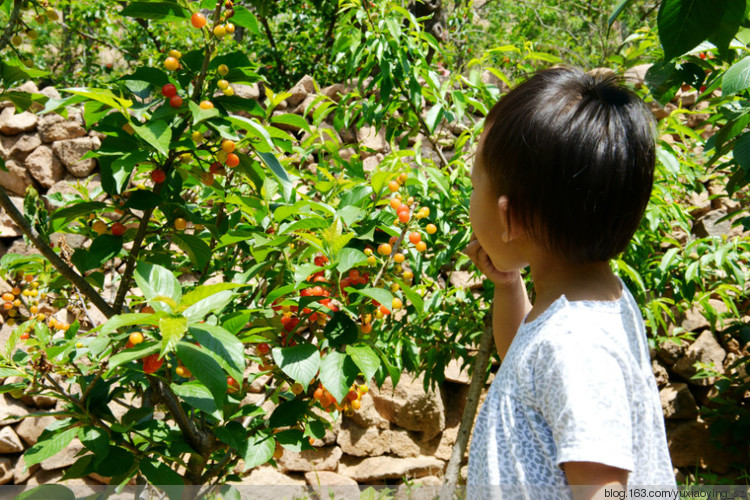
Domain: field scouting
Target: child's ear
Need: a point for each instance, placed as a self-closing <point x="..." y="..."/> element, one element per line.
<point x="509" y="229"/>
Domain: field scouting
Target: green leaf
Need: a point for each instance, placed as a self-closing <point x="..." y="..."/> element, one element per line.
<point x="288" y="413"/>
<point x="337" y="373"/>
<point x="224" y="346"/>
<point x="433" y="118"/>
<point x="198" y="396"/>
<point x="196" y="249"/>
<point x="729" y="24"/>
<point x="348" y="258"/>
<point x="95" y="439"/>
<point x="204" y="291"/>
<point x="129" y="319"/>
<point x="742" y="151"/>
<point x="235" y="435"/>
<point x="412" y="297"/>
<point x="341" y="329"/>
<point x="737" y="77"/>
<point x="365" y="359"/>
<point x="78" y="210"/>
<point x="102" y="249"/>
<point x="246" y="19"/>
<point x="379" y="180"/>
<point x="47" y="492"/>
<point x="156" y="280"/>
<point x="160" y="474"/>
<point x="381" y="295"/>
<point x="683" y="24"/>
<point x="155" y="10"/>
<point x="301" y="362"/>
<point x="204" y="368"/>
<point x="260" y="449"/>
<point x="136" y="352"/>
<point x="102" y="95"/>
<point x="143" y="200"/>
<point x="618" y="10"/>
<point x="293" y="120"/>
<point x="293" y="440"/>
<point x="278" y="171"/>
<point x="172" y="329"/>
<point x="200" y="114"/>
<point x="6" y="371"/>
<point x="49" y="447"/>
<point x="157" y="134"/>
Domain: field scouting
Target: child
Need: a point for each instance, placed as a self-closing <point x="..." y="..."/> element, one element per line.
<point x="561" y="180"/>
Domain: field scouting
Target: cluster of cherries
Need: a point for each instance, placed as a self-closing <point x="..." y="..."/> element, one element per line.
<point x="22" y="304"/>
<point x="352" y="401"/>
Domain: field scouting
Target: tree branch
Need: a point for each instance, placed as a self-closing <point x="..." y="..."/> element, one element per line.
<point x="143" y="226"/>
<point x="467" y="420"/>
<point x="68" y="273"/>
<point x="14" y="15"/>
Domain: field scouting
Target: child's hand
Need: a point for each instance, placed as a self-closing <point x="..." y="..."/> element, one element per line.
<point x="480" y="258"/>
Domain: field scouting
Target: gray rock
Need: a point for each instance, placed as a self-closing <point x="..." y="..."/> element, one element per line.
<point x="671" y="350"/>
<point x="21" y="473"/>
<point x="326" y="458"/>
<point x="304" y="87"/>
<point x="410" y="407"/>
<point x="335" y="91"/>
<point x="246" y="91"/>
<point x="18" y="147"/>
<point x="70" y="153"/>
<point x="382" y="468"/>
<point x="44" y="166"/>
<point x="660" y="373"/>
<point x="11" y="410"/>
<point x="705" y="350"/>
<point x="6" y="470"/>
<point x="32" y="427"/>
<point x="8" y="228"/>
<point x="65" y="458"/>
<point x="327" y="478"/>
<point x="16" y="179"/>
<point x="678" y="402"/>
<point x="710" y="224"/>
<point x="29" y="87"/>
<point x="637" y="74"/>
<point x="690" y="445"/>
<point x="51" y="92"/>
<point x="367" y="416"/>
<point x="9" y="441"/>
<point x="363" y="442"/>
<point x="14" y="124"/>
<point x="53" y="127"/>
<point x="21" y="248"/>
<point x="372" y="139"/>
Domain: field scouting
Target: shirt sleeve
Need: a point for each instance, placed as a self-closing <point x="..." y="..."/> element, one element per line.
<point x="581" y="390"/>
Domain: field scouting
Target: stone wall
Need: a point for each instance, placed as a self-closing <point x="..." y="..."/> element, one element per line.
<point x="399" y="434"/>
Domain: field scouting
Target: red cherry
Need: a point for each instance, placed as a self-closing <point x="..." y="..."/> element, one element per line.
<point x="264" y="348"/>
<point x="118" y="229"/>
<point x="175" y="101"/>
<point x="169" y="90"/>
<point x="158" y="176"/>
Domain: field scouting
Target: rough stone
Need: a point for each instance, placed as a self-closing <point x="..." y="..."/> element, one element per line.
<point x="18" y="147"/>
<point x="326" y="458"/>
<point x="335" y="91"/>
<point x="370" y="138"/>
<point x="268" y="475"/>
<point x="303" y="108"/>
<point x="465" y="279"/>
<point x="44" y="166"/>
<point x="368" y="416"/>
<point x="65" y="458"/>
<point x="304" y="87"/>
<point x="489" y="78"/>
<point x="410" y="407"/>
<point x="70" y="152"/>
<point x="328" y="478"/>
<point x="14" y="124"/>
<point x="11" y="410"/>
<point x="404" y="443"/>
<point x="16" y="179"/>
<point x="446" y="443"/>
<point x="370" y="164"/>
<point x="690" y="444"/>
<point x="53" y="127"/>
<point x="21" y="248"/>
<point x="66" y="188"/>
<point x="39" y="401"/>
<point x="671" y="350"/>
<point x="6" y="470"/>
<point x="8" y="228"/>
<point x="21" y="473"/>
<point x="382" y="468"/>
<point x="51" y="92"/>
<point x="9" y="441"/>
<point x="712" y="225"/>
<point x="706" y="350"/>
<point x="660" y="372"/>
<point x="359" y="442"/>
<point x="678" y="402"/>
<point x="637" y="74"/>
<point x="31" y="428"/>
<point x="246" y="91"/>
<point x="29" y="87"/>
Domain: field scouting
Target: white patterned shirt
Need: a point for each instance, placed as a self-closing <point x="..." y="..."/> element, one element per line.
<point x="575" y="385"/>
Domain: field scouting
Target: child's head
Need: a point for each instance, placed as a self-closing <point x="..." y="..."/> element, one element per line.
<point x="574" y="155"/>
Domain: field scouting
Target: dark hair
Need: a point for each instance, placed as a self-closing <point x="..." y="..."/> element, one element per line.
<point x="574" y="153"/>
